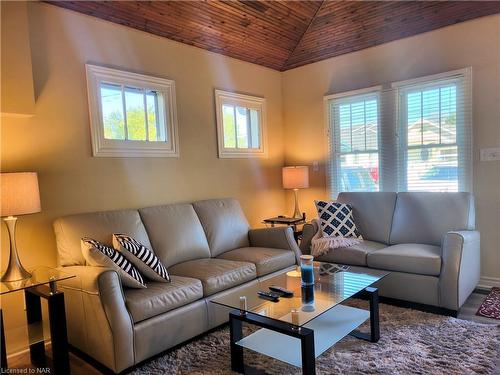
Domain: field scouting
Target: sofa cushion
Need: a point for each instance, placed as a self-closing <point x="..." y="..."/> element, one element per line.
<point x="266" y="260"/>
<point x="372" y="212"/>
<point x="160" y="297"/>
<point x="97" y="225"/>
<point x="225" y="224"/>
<point x="354" y="255"/>
<point x="425" y="217"/>
<point x="175" y="232"/>
<point x="216" y="274"/>
<point x="412" y="258"/>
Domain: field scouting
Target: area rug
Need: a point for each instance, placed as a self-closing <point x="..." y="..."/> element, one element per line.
<point x="490" y="308"/>
<point x="412" y="342"/>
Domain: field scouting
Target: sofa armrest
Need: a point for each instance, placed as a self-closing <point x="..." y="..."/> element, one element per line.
<point x="277" y="238"/>
<point x="308" y="232"/>
<point x="460" y="271"/>
<point x="99" y="323"/>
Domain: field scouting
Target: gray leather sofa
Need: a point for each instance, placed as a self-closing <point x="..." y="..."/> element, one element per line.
<point x="427" y="240"/>
<point x="208" y="249"/>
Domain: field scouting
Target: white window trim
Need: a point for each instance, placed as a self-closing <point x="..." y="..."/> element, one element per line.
<point x="402" y="147"/>
<point x="254" y="102"/>
<point x="331" y="159"/>
<point x="102" y="147"/>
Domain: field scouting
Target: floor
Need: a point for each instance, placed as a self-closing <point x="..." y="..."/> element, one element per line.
<point x="80" y="367"/>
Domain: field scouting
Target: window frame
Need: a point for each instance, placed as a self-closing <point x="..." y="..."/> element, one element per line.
<point x="464" y="120"/>
<point x="102" y="147"/>
<point x="240" y="100"/>
<point x="333" y="162"/>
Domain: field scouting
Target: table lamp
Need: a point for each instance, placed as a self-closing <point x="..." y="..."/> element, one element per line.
<point x="296" y="178"/>
<point x="19" y="195"/>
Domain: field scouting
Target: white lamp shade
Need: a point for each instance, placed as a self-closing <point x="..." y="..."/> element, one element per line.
<point x="296" y="177"/>
<point x="19" y="194"/>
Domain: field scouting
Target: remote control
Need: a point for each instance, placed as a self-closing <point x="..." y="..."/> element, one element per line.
<point x="270" y="296"/>
<point x="283" y="292"/>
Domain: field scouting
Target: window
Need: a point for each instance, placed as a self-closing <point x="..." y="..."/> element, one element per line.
<point x="132" y="114"/>
<point x="434" y="128"/>
<point x="240" y="125"/>
<point x="414" y="136"/>
<point x="354" y="133"/>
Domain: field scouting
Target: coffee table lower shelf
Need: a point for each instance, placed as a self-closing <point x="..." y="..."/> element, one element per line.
<point x="329" y="328"/>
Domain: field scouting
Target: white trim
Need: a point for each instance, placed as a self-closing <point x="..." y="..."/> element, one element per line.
<point x="247" y="101"/>
<point x="368" y="90"/>
<point x="466" y="72"/>
<point x="489" y="282"/>
<point x="127" y="148"/>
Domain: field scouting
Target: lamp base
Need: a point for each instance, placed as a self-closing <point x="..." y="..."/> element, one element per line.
<point x="15" y="270"/>
<point x="297" y="214"/>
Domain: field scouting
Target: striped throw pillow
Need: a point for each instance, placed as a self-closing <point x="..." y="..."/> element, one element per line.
<point x="140" y="256"/>
<point x="99" y="255"/>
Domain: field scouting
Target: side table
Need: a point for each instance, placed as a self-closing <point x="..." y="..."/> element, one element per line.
<point x="289" y="221"/>
<point x="42" y="284"/>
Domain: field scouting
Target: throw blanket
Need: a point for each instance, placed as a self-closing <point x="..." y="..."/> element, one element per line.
<point x="321" y="245"/>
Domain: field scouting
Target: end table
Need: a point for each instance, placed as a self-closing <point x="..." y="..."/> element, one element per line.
<point x="42" y="284"/>
<point x="289" y="221"/>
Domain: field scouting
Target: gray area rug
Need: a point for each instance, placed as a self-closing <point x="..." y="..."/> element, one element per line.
<point x="412" y="342"/>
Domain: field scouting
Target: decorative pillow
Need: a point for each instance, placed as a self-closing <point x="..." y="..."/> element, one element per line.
<point x="336" y="220"/>
<point x="140" y="256"/>
<point x="100" y="255"/>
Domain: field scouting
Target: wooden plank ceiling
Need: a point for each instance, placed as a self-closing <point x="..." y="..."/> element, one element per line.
<point x="284" y="34"/>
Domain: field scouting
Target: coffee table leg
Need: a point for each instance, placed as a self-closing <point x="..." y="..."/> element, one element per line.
<point x="308" y="354"/>
<point x="374" y="334"/>
<point x="236" y="334"/>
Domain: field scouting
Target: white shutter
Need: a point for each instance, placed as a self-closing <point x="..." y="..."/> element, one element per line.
<point x="435" y="138"/>
<point x="353" y="129"/>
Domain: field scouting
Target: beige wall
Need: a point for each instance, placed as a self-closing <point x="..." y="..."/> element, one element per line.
<point x="55" y="142"/>
<point x="475" y="43"/>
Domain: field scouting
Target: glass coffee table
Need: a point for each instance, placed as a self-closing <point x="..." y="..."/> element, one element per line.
<point x="298" y="329"/>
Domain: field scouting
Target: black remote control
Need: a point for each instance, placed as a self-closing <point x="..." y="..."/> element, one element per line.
<point x="283" y="292"/>
<point x="270" y="296"/>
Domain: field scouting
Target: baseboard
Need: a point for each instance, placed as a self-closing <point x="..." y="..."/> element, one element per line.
<point x="489" y="282"/>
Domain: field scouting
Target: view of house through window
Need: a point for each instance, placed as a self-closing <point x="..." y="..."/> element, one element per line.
<point x="131" y="113"/>
<point x="354" y="129"/>
<point x="431" y="147"/>
<point x="426" y="143"/>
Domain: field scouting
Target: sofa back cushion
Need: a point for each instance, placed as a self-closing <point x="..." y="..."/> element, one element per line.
<point x="175" y="232"/>
<point x="98" y="225"/>
<point x="225" y="224"/>
<point x="372" y="212"/>
<point x="425" y="217"/>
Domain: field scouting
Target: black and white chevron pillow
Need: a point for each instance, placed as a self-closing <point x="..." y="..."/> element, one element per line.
<point x="336" y="220"/>
<point x="140" y="256"/>
<point x="100" y="255"/>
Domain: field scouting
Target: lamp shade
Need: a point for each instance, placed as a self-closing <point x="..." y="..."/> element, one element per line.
<point x="296" y="177"/>
<point x="19" y="194"/>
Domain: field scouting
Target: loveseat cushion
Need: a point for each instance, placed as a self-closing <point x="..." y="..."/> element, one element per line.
<point x="354" y="255"/>
<point x="216" y="274"/>
<point x="266" y="260"/>
<point x="425" y="217"/>
<point x="412" y="258"/>
<point x="225" y="224"/>
<point x="159" y="297"/>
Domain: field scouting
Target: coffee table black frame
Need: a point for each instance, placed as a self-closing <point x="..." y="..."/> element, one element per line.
<point x="306" y="335"/>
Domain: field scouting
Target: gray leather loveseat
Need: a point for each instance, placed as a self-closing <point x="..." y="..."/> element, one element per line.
<point x="427" y="240"/>
<point x="208" y="249"/>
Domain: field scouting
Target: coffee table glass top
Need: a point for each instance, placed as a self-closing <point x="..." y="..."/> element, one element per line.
<point x="39" y="276"/>
<point x="329" y="290"/>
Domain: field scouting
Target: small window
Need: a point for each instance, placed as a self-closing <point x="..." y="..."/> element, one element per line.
<point x="132" y="115"/>
<point x="240" y="125"/>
